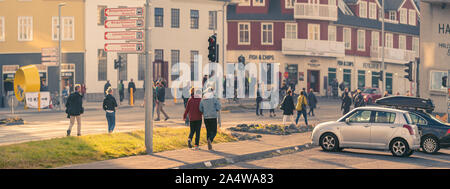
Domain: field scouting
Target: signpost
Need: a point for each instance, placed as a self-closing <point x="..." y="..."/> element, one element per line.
<point x="125" y="47"/>
<point x="50" y="56"/>
<point x="128" y="23"/>
<point x="124" y="35"/>
<point x="137" y="11"/>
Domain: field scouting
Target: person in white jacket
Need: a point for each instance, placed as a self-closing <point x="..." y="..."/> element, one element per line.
<point x="209" y="106"/>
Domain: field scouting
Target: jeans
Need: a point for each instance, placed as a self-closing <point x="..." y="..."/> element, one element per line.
<point x="299" y="113"/>
<point x="111" y="117"/>
<point x="211" y="128"/>
<point x="258" y="108"/>
<point x="195" y="128"/>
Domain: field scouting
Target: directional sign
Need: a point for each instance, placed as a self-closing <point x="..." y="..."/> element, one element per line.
<point x="49" y="59"/>
<point x="49" y="64"/>
<point x="124" y="35"/>
<point x="137" y="11"/>
<point x="49" y="51"/>
<point x="130" y="23"/>
<point x="125" y="47"/>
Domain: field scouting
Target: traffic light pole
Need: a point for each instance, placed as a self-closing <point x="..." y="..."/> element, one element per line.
<point x="148" y="83"/>
<point x="382" y="51"/>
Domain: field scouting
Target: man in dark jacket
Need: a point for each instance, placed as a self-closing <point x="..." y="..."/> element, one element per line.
<point x="74" y="109"/>
<point x="346" y="103"/>
<point x="121" y="90"/>
<point x="107" y="85"/>
<point x="359" y="99"/>
<point x="131" y="86"/>
<point x="109" y="105"/>
<point x="312" y="102"/>
<point x="160" y="98"/>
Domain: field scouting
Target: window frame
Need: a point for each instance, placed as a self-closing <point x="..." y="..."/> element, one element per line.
<point x="391" y="41"/>
<point x="356" y="112"/>
<point x="403" y="15"/>
<point x="29" y="27"/>
<point x="212" y="22"/>
<point x="432" y="82"/>
<point x="175" y="18"/>
<point x="349" y="42"/>
<point x="359" y="42"/>
<point x="259" y="3"/>
<point x="291" y="4"/>
<point x="393" y="15"/>
<point x="402" y="42"/>
<point x="103" y="64"/>
<point x="288" y="33"/>
<point x="334" y="32"/>
<point x="267" y="31"/>
<point x="372" y="10"/>
<point x="2" y="29"/>
<point x="159" y="17"/>
<point x="240" y="42"/>
<point x="195" y="19"/>
<point x="363" y="8"/>
<point x="313" y="31"/>
<point x="377" y="37"/>
<point x="412" y="19"/>
<point x="389" y="120"/>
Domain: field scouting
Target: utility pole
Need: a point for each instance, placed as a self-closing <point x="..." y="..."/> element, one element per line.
<point x="383" y="45"/>
<point x="148" y="83"/>
<point x="60" y="54"/>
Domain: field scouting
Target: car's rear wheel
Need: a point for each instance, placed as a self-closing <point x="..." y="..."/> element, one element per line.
<point x="430" y="144"/>
<point x="329" y="142"/>
<point x="400" y="148"/>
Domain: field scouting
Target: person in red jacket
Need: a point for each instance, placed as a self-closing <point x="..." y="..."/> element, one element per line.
<point x="195" y="117"/>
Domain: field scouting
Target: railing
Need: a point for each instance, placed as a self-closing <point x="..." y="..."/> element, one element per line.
<point x="393" y="55"/>
<point x="315" y="11"/>
<point x="313" y="47"/>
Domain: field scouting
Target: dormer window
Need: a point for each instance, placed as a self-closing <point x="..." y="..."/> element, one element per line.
<point x="289" y="4"/>
<point x="363" y="9"/>
<point x="392" y="15"/>
<point x="259" y="3"/>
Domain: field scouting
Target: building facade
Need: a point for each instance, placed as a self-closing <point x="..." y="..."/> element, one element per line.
<point x="317" y="41"/>
<point x="435" y="52"/>
<point x="27" y="26"/>
<point x="180" y="31"/>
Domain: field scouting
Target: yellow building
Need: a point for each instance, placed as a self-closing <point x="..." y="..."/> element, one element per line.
<point x="28" y="26"/>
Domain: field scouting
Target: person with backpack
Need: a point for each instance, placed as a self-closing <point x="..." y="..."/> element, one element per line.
<point x="109" y="105"/>
<point x="302" y="102"/>
<point x="74" y="109"/>
<point x="194" y="115"/>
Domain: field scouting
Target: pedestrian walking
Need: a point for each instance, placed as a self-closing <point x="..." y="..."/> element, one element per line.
<point x="160" y="98"/>
<point x="312" y="102"/>
<point x="107" y="85"/>
<point x="185" y="95"/>
<point x="121" y="88"/>
<point x="131" y="86"/>
<point x="288" y="107"/>
<point x="209" y="106"/>
<point x="358" y="99"/>
<point x="259" y="99"/>
<point x="109" y="105"/>
<point x="346" y="103"/>
<point x="194" y="115"/>
<point x="272" y="110"/>
<point x="302" y="102"/>
<point x="74" y="109"/>
<point x="334" y="87"/>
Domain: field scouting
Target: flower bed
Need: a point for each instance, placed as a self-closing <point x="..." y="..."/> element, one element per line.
<point x="11" y="121"/>
<point x="270" y="129"/>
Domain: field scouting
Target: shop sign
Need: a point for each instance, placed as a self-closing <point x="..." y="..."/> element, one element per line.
<point x="343" y="63"/>
<point x="261" y="57"/>
<point x="445" y="46"/>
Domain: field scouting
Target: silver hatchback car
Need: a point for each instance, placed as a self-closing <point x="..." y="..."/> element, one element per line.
<point x="370" y="128"/>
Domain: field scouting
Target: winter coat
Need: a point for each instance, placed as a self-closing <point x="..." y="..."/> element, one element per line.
<point x="346" y="102"/>
<point x="301" y="103"/>
<point x="209" y="106"/>
<point x="288" y="105"/>
<point x="109" y="103"/>
<point x="312" y="100"/>
<point x="193" y="109"/>
<point x="74" y="104"/>
<point x="160" y="94"/>
<point x="131" y="85"/>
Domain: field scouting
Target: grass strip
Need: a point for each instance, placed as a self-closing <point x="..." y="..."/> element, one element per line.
<point x="59" y="152"/>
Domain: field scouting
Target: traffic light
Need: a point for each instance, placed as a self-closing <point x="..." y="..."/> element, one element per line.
<point x="381" y="75"/>
<point x="212" y="55"/>
<point x="118" y="63"/>
<point x="409" y="71"/>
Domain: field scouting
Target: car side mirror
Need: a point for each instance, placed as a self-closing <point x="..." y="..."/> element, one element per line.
<point x="347" y="121"/>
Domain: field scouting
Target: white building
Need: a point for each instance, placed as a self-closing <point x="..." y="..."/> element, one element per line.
<point x="180" y="30"/>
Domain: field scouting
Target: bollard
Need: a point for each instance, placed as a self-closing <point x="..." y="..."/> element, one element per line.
<point x="175" y="97"/>
<point x="131" y="98"/>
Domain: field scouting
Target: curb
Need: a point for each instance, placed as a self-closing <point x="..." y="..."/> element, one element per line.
<point x="246" y="157"/>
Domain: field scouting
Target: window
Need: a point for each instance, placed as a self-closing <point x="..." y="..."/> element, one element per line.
<point x="141" y="67"/>
<point x="360" y="116"/>
<point x="175" y="20"/>
<point x="363" y="9"/>
<point x="384" y="117"/>
<point x="101" y="15"/>
<point x="194" y="19"/>
<point x="437" y="79"/>
<point x="25" y="30"/>
<point x="174" y="60"/>
<point x="402" y="42"/>
<point x="331" y="33"/>
<point x="244" y="3"/>
<point x="389" y="79"/>
<point x="332" y="2"/>
<point x="361" y="79"/>
<point x="291" y="31"/>
<point x="403" y="16"/>
<point x="159" y="55"/>
<point x="347" y="38"/>
<point x="412" y="17"/>
<point x="415" y="44"/>
<point x="194" y="61"/>
<point x="67" y="26"/>
<point x="331" y="75"/>
<point x="289" y="4"/>
<point x="375" y="39"/>
<point x="213" y="20"/>
<point x="417" y="120"/>
<point x="372" y="10"/>
<point x="313" y="31"/>
<point x="159" y="17"/>
<point x="267" y="34"/>
<point x="258" y="2"/>
<point x="244" y="33"/>
<point x="389" y="40"/>
<point x="123" y="67"/>
<point x="102" y="65"/>
<point x="392" y="15"/>
<point x="361" y="40"/>
<point x="375" y="79"/>
<point x="2" y="28"/>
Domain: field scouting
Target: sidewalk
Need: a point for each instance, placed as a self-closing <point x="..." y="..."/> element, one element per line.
<point x="225" y="153"/>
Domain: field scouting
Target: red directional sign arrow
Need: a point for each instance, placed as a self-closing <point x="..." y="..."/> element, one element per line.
<point x="131" y="23"/>
<point x="125" y="47"/>
<point x="137" y="11"/>
<point x="124" y="35"/>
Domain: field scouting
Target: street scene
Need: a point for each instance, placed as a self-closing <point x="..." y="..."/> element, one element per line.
<point x="224" y="84"/>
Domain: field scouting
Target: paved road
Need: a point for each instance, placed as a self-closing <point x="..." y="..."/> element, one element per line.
<point x="348" y="159"/>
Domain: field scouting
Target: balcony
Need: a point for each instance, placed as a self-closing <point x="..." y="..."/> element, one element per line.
<point x="315" y="11"/>
<point x="313" y="48"/>
<point x="392" y="55"/>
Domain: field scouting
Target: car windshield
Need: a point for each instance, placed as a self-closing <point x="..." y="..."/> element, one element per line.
<point x="370" y="91"/>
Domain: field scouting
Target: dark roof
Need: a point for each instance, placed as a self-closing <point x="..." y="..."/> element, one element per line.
<point x="350" y="1"/>
<point x="274" y="13"/>
<point x="391" y="4"/>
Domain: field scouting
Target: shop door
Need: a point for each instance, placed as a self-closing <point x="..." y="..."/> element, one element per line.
<point x="348" y="79"/>
<point x="292" y="79"/>
<point x="313" y="80"/>
<point x="389" y="83"/>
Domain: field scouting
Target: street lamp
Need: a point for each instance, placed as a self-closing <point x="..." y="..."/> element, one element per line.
<point x="59" y="53"/>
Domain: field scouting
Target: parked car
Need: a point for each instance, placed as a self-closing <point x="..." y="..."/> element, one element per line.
<point x="371" y="94"/>
<point x="370" y="128"/>
<point x="434" y="133"/>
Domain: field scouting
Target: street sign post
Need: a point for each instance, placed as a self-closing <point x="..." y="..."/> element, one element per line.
<point x="129" y="23"/>
<point x="50" y="56"/>
<point x="124" y="35"/>
<point x="136" y="12"/>
<point x="125" y="47"/>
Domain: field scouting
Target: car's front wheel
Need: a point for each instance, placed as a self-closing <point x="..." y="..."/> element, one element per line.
<point x="329" y="142"/>
<point x="430" y="144"/>
<point x="400" y="148"/>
